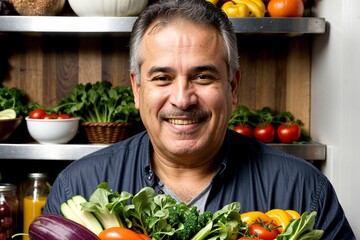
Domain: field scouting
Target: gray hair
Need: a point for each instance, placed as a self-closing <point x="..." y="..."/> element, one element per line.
<point x="197" y="11"/>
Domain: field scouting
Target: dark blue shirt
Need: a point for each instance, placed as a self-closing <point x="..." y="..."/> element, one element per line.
<point x="258" y="176"/>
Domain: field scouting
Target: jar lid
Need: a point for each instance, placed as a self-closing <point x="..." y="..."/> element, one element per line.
<point x="4" y="187"/>
<point x="37" y="175"/>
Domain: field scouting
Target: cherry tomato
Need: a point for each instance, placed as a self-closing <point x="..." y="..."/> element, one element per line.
<point x="265" y="133"/>
<point x="245" y="130"/>
<point x="37" y="113"/>
<point x="289" y="132"/>
<point x="264" y="232"/>
<point x="63" y="116"/>
<point x="119" y="233"/>
<point x="248" y="238"/>
<point x="48" y="116"/>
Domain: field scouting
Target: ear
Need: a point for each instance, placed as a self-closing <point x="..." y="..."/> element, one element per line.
<point x="235" y="86"/>
<point x="135" y="88"/>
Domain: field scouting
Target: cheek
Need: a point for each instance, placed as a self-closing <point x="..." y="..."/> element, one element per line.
<point x="150" y="99"/>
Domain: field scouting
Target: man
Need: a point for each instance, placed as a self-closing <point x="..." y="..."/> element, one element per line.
<point x="185" y="77"/>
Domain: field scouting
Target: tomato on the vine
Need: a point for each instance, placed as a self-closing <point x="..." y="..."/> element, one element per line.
<point x="37" y="113"/>
<point x="265" y="133"/>
<point x="264" y="231"/>
<point x="244" y="129"/>
<point x="289" y="132"/>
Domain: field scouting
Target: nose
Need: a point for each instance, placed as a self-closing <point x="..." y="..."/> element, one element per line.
<point x="183" y="93"/>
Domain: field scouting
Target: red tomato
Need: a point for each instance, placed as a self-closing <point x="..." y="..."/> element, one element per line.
<point x="119" y="233"/>
<point x="54" y="115"/>
<point x="289" y="132"/>
<point x="263" y="232"/>
<point x="37" y="113"/>
<point x="248" y="238"/>
<point x="144" y="236"/>
<point x="265" y="133"/>
<point x="48" y="116"/>
<point x="245" y="130"/>
<point x="63" y="116"/>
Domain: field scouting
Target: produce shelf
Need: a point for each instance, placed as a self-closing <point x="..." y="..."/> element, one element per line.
<point x="34" y="151"/>
<point x="71" y="24"/>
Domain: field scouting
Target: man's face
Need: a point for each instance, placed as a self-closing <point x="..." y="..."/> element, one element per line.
<point x="185" y="98"/>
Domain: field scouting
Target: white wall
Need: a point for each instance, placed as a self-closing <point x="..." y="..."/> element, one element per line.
<point x="335" y="103"/>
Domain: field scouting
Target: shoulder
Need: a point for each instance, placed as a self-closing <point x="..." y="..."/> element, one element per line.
<point x="109" y="164"/>
<point x="137" y="144"/>
<point x="268" y="168"/>
<point x="255" y="153"/>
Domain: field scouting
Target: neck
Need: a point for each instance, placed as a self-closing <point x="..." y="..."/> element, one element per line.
<point x="186" y="181"/>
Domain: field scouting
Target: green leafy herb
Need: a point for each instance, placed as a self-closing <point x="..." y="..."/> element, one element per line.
<point x="302" y="229"/>
<point x="13" y="98"/>
<point x="100" y="102"/>
<point x="162" y="217"/>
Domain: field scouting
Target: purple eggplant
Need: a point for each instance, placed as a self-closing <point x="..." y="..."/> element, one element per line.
<point x="56" y="227"/>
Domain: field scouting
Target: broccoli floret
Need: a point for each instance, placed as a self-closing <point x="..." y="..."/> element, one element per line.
<point x="193" y="223"/>
<point x="177" y="214"/>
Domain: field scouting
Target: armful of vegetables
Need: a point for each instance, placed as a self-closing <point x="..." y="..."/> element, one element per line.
<point x="162" y="217"/>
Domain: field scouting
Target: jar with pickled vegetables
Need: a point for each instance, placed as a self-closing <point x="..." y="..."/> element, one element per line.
<point x="9" y="204"/>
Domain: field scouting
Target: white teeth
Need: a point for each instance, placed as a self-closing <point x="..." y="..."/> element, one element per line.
<point x="183" y="121"/>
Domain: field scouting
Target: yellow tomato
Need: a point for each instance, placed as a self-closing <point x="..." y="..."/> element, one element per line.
<point x="251" y="217"/>
<point x="280" y="217"/>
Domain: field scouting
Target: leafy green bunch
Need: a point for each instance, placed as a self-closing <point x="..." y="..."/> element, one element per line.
<point x="100" y="102"/>
<point x="13" y="98"/>
<point x="161" y="217"/>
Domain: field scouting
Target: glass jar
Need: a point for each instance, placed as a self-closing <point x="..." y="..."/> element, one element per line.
<point x="9" y="204"/>
<point x="35" y="195"/>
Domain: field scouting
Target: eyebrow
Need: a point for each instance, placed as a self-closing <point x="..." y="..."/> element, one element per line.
<point x="195" y="69"/>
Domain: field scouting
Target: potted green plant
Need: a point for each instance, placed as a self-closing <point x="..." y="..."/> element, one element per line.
<point x="107" y="112"/>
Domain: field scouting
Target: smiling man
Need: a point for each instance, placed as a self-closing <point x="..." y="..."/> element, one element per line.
<point x="180" y="93"/>
<point x="184" y="74"/>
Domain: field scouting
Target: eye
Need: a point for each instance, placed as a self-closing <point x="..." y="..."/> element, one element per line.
<point x="204" y="78"/>
<point x="162" y="79"/>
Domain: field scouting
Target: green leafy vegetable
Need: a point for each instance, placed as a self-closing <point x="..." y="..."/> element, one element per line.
<point x="302" y="229"/>
<point x="162" y="217"/>
<point x="100" y="102"/>
<point x="13" y="98"/>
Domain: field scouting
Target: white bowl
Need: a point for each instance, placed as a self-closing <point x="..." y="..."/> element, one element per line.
<point x="108" y="8"/>
<point x="52" y="131"/>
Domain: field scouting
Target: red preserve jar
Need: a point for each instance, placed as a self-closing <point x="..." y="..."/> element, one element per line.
<point x="8" y="210"/>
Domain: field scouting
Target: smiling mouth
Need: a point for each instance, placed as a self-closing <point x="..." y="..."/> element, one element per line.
<point x="183" y="121"/>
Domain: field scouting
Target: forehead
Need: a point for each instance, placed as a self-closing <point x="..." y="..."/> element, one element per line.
<point x="182" y="35"/>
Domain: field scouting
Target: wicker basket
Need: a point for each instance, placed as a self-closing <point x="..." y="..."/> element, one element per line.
<point x="112" y="132"/>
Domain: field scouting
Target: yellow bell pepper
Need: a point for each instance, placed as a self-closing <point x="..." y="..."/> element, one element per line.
<point x="280" y="217"/>
<point x="294" y="214"/>
<point x="235" y="9"/>
<point x="213" y="1"/>
<point x="250" y="217"/>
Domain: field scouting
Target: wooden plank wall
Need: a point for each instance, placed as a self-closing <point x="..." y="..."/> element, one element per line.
<point x="275" y="69"/>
